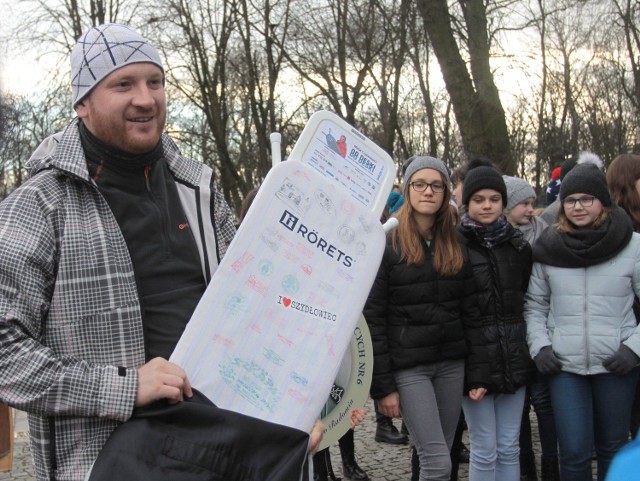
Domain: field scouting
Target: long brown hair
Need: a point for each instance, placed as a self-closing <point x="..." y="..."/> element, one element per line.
<point x="407" y="240"/>
<point x="622" y="175"/>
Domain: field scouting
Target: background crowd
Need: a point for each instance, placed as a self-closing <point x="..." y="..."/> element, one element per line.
<point x="485" y="306"/>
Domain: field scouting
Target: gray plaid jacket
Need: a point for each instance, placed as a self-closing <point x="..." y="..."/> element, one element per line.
<point x="70" y="324"/>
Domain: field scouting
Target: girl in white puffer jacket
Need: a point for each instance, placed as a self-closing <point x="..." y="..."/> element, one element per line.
<point x="581" y="329"/>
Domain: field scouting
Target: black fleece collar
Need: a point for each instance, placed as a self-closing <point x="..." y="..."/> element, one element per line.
<point x="98" y="152"/>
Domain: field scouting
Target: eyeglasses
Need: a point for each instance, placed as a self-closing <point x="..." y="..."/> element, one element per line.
<point x="570" y="202"/>
<point x="436" y="187"/>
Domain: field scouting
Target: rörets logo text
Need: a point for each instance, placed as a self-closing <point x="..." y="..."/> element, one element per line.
<point x="292" y="223"/>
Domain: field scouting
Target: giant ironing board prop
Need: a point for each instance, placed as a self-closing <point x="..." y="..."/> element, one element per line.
<point x="269" y="334"/>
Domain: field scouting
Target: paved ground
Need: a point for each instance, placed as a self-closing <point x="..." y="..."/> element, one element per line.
<point x="382" y="462"/>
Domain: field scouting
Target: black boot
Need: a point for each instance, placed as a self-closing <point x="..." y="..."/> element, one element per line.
<point x="550" y="471"/>
<point x="455" y="466"/>
<point x="404" y="429"/>
<point x="322" y="469"/>
<point x="415" y="465"/>
<point x="463" y="454"/>
<point x="528" y="467"/>
<point x="459" y="452"/>
<point x="386" y="432"/>
<point x="350" y="468"/>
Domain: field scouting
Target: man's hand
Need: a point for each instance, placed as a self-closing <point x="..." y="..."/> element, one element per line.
<point x="161" y="379"/>
<point x="390" y="405"/>
<point x="317" y="431"/>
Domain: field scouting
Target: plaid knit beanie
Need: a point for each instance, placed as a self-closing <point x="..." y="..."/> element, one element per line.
<point x="103" y="49"/>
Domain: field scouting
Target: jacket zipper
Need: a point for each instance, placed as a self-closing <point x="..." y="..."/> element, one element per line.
<point x="163" y="213"/>
<point x="585" y="321"/>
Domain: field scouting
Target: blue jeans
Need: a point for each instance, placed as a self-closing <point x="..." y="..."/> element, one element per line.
<point x="430" y="397"/>
<point x="494" y="429"/>
<point x="591" y="411"/>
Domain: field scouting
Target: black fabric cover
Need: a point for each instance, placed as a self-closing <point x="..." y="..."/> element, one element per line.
<point x="196" y="441"/>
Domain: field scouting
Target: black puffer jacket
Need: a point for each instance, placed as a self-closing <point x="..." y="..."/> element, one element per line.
<point x="499" y="357"/>
<point x="416" y="316"/>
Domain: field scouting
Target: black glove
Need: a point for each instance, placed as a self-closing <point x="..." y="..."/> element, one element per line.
<point x="623" y="361"/>
<point x="547" y="362"/>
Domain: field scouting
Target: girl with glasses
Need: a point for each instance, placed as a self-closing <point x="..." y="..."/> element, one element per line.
<point x="422" y="296"/>
<point x="582" y="331"/>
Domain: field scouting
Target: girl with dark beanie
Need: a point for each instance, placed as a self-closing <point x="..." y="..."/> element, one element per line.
<point x="582" y="331"/>
<point x="498" y="364"/>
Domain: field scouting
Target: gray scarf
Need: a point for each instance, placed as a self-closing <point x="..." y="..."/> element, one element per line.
<point x="584" y="248"/>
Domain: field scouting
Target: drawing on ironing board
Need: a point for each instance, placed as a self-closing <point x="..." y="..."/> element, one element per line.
<point x="294" y="197"/>
<point x="325" y="203"/>
<point x="269" y="334"/>
<point x="338" y="146"/>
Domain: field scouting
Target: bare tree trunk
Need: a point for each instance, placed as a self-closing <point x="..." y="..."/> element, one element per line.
<point x="478" y="110"/>
<point x="335" y="48"/>
<point x="632" y="42"/>
<point x="260" y="113"/>
<point x="208" y="69"/>
<point x="418" y="40"/>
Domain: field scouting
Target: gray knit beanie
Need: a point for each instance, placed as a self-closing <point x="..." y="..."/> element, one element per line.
<point x="518" y="190"/>
<point x="586" y="179"/>
<point x="103" y="49"/>
<point x="419" y="162"/>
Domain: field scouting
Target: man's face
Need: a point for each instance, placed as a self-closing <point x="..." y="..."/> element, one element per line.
<point x="128" y="108"/>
